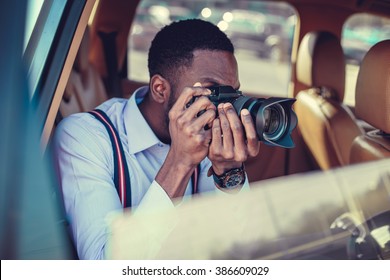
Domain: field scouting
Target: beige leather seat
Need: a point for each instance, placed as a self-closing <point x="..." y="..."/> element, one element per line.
<point x="328" y="127"/>
<point x="372" y="101"/>
<point x="85" y="89"/>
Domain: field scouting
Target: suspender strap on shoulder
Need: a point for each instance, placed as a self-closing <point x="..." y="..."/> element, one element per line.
<point x="121" y="172"/>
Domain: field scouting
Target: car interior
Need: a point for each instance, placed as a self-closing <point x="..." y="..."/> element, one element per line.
<point x="332" y="56"/>
<point x="327" y="126"/>
<point x="85" y="89"/>
<point x="372" y="106"/>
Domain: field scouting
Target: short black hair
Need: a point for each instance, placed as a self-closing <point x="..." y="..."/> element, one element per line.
<point x="173" y="46"/>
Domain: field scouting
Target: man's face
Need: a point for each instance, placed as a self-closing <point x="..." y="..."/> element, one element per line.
<point x="210" y="68"/>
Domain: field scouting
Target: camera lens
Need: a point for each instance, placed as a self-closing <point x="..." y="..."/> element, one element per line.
<point x="275" y="122"/>
<point x="271" y="118"/>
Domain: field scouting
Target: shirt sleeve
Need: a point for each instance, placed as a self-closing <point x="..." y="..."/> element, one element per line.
<point x="84" y="161"/>
<point x="155" y="199"/>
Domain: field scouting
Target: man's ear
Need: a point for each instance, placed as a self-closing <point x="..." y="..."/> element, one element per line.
<point x="160" y="89"/>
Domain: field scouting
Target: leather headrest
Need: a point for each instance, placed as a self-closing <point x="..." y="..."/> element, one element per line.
<point x="321" y="62"/>
<point x="82" y="59"/>
<point x="373" y="87"/>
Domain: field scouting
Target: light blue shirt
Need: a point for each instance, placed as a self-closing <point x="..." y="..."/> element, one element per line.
<point x="84" y="157"/>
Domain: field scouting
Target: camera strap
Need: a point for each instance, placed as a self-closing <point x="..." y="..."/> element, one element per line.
<point x="121" y="171"/>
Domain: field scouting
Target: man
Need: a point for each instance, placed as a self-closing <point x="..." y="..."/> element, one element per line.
<point x="166" y="129"/>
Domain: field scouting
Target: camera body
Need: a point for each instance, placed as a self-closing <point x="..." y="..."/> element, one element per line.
<point x="273" y="117"/>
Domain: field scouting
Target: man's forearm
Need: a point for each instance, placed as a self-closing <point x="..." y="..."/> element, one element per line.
<point x="173" y="177"/>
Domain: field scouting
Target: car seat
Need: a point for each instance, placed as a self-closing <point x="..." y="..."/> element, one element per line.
<point x="328" y="126"/>
<point x="372" y="101"/>
<point x="85" y="89"/>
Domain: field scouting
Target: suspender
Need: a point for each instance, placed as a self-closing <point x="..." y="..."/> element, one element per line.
<point x="121" y="171"/>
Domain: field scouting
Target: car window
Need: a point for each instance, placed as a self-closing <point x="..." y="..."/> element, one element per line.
<point x="262" y="33"/>
<point x="360" y="33"/>
<point x="33" y="9"/>
<point x="43" y="31"/>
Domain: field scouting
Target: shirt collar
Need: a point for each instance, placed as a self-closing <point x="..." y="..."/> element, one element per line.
<point x="139" y="134"/>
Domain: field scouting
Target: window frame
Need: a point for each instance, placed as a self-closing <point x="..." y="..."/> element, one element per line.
<point x="52" y="72"/>
<point x="48" y="51"/>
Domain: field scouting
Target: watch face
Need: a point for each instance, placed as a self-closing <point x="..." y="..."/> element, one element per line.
<point x="233" y="180"/>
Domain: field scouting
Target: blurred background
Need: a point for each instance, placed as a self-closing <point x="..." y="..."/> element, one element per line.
<point x="262" y="33"/>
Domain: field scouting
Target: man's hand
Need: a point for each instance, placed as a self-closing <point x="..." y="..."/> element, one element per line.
<point x="233" y="139"/>
<point x="189" y="139"/>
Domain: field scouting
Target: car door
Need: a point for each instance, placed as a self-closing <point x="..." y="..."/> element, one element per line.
<point x="33" y="224"/>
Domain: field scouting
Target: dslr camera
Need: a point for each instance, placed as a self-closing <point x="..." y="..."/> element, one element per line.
<point x="273" y="117"/>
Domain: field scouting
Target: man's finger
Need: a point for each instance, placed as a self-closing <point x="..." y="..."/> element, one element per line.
<point x="216" y="140"/>
<point x="253" y="144"/>
<point x="187" y="96"/>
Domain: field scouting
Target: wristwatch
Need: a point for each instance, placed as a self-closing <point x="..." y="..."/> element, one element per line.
<point x="231" y="179"/>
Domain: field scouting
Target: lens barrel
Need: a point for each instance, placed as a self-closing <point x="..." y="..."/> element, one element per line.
<point x="273" y="117"/>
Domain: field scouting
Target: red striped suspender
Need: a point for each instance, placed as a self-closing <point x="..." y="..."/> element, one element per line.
<point x="121" y="175"/>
